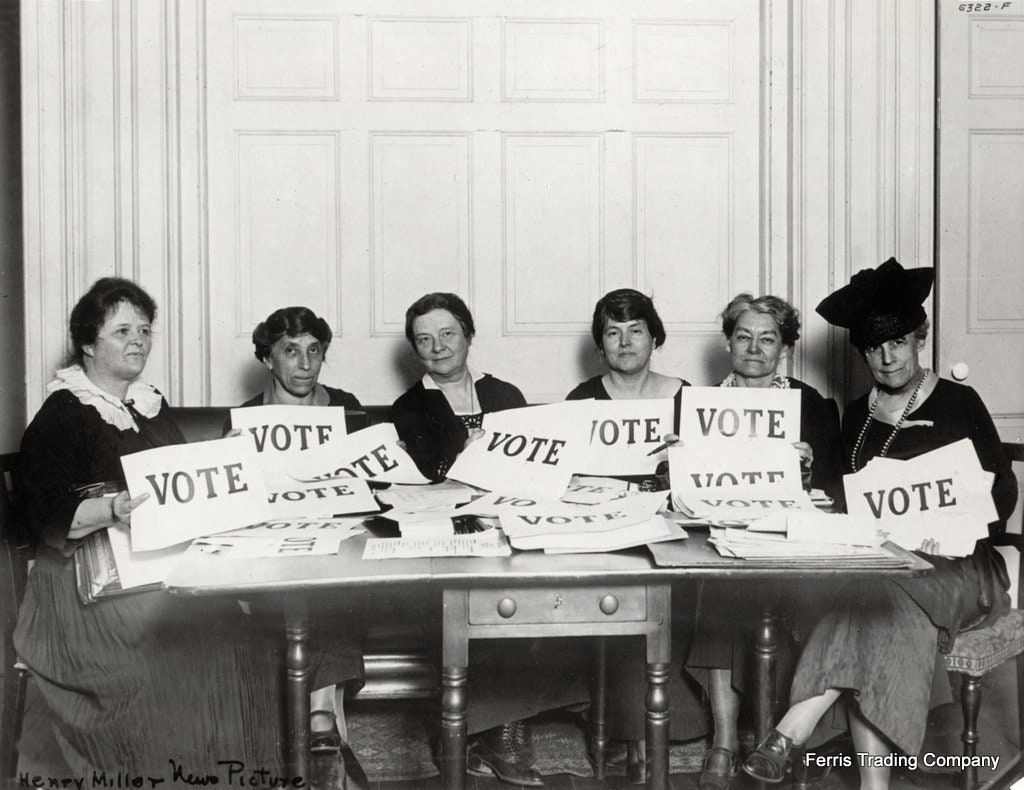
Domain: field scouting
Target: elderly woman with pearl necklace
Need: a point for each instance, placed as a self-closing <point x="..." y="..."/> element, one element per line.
<point x="878" y="645"/>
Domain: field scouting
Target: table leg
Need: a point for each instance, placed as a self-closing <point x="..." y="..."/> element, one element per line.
<point x="453" y="727"/>
<point x="659" y="654"/>
<point x="657" y="726"/>
<point x="766" y="648"/>
<point x="296" y="626"/>
<point x="599" y="709"/>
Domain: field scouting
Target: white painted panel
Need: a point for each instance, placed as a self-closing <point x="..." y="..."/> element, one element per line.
<point x="997" y="58"/>
<point x="286" y="57"/>
<point x="551" y="60"/>
<point x="995" y="277"/>
<point x="287" y="214"/>
<point x="684" y="210"/>
<point x="420" y="59"/>
<point x="683" y="61"/>
<point x="552" y="232"/>
<point x="421" y="221"/>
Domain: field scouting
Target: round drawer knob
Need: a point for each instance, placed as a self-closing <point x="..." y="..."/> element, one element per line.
<point x="506" y="607"/>
<point x="960" y="371"/>
<point x="609" y="604"/>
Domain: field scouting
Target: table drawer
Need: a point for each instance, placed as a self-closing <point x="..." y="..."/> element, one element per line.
<point x="558" y="605"/>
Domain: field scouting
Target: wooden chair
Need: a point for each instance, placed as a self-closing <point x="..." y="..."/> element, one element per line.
<point x="976" y="653"/>
<point x="15" y="556"/>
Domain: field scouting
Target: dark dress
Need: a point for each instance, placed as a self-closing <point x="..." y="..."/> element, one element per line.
<point x="138" y="680"/>
<point x="337" y="398"/>
<point x="627" y="678"/>
<point x="725" y="616"/>
<point x="594" y="388"/>
<point x="432" y="433"/>
<point x="883" y="641"/>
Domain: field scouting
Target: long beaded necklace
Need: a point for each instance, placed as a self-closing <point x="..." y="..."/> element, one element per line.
<point x="896" y="428"/>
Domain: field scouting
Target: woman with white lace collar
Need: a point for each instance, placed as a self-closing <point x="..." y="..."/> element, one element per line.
<point x="135" y="680"/>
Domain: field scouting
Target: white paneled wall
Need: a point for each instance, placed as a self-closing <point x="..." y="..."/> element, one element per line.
<point x="240" y="155"/>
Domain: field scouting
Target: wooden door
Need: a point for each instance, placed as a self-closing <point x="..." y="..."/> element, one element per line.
<point x="980" y="244"/>
<point x="529" y="156"/>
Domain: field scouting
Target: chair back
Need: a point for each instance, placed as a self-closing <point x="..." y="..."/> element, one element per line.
<point x="16" y="552"/>
<point x="1015" y="536"/>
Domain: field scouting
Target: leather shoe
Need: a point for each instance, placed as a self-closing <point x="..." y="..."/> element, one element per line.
<point x="507" y="753"/>
<point x="324" y="742"/>
<point x="767" y="762"/>
<point x="718" y="770"/>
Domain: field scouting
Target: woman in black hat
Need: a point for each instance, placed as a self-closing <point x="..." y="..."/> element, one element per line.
<point x="879" y="644"/>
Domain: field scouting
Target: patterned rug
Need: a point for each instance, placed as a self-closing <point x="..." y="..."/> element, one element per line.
<point x="392" y="740"/>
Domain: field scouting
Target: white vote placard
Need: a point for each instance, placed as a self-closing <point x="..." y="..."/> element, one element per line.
<point x="371" y="454"/>
<point x="727" y="463"/>
<point x="332" y="497"/>
<point x="623" y="434"/>
<point x="284" y="433"/>
<point x="531" y="451"/>
<point x="522" y="521"/>
<point x="739" y="413"/>
<point x="943" y="495"/>
<point x="194" y="489"/>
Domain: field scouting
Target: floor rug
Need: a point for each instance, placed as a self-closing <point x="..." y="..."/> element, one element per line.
<point x="392" y="741"/>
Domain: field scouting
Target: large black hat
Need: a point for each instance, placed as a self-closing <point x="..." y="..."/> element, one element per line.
<point x="880" y="304"/>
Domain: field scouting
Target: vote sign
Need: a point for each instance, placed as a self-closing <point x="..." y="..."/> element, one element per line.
<point x="372" y="454"/>
<point x="623" y="433"/>
<point x="289" y="430"/>
<point x="532" y="451"/>
<point x="739" y="413"/>
<point x="194" y="489"/>
<point x="943" y="495"/>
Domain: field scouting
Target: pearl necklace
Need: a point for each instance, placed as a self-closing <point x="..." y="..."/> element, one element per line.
<point x="899" y="423"/>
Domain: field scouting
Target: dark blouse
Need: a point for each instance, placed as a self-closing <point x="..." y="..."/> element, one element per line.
<point x="68" y="445"/>
<point x="338" y="398"/>
<point x="961" y="589"/>
<point x="594" y="388"/>
<point x="819" y="427"/>
<point x="432" y="433"/>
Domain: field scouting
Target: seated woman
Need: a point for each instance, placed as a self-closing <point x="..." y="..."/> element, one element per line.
<point x="132" y="681"/>
<point x="760" y="333"/>
<point x="441" y="412"/>
<point x="878" y="645"/>
<point x="292" y="344"/>
<point x="627" y="330"/>
<point x="435" y="419"/>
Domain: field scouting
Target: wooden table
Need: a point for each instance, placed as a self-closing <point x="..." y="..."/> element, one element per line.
<point x="527" y="595"/>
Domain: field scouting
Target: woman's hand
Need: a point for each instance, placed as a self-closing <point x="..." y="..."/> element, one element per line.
<point x="121" y="507"/>
<point x="101" y="512"/>
<point x="806" y="454"/>
<point x="929" y="546"/>
<point x="474" y="434"/>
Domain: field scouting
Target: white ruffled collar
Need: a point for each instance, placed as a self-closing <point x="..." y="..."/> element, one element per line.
<point x="779" y="382"/>
<point x="143" y="398"/>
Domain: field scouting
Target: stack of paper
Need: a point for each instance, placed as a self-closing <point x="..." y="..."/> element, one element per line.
<point x="731" y="507"/>
<point x="806" y="539"/>
<point x="556" y="526"/>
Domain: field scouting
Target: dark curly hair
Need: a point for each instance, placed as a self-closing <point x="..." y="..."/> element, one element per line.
<point x="786" y="317"/>
<point x="293" y="322"/>
<point x="626" y="304"/>
<point x="97" y="304"/>
<point x="439" y="301"/>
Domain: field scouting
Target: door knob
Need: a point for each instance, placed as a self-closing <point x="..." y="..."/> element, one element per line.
<point x="960" y="371"/>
